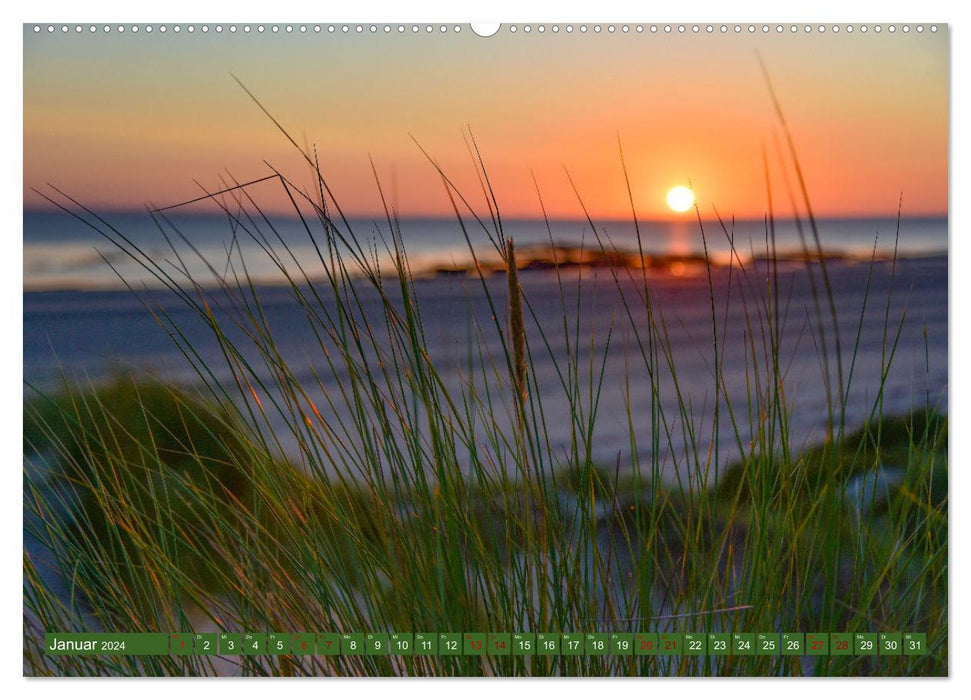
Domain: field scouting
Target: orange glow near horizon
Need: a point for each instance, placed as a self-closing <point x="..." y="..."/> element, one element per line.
<point x="121" y="121"/>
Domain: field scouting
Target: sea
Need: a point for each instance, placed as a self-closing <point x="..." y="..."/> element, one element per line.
<point x="87" y="313"/>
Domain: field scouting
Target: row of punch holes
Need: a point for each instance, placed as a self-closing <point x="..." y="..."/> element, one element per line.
<point x="483" y="30"/>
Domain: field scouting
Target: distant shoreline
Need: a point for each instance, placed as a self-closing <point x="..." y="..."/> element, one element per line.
<point x="567" y="258"/>
<point x="574" y="257"/>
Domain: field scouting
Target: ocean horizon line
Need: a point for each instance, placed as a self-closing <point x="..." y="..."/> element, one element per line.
<point x="174" y="213"/>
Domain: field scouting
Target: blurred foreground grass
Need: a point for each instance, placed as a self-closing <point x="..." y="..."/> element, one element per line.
<point x="163" y="515"/>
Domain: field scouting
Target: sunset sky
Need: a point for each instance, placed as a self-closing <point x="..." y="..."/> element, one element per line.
<point x="120" y="120"/>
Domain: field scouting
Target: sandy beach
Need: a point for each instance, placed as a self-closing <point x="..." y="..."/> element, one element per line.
<point x="95" y="334"/>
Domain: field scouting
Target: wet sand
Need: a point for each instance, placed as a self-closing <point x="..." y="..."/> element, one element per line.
<point x="93" y="334"/>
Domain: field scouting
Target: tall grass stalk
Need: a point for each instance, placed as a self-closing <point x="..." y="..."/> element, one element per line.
<point x="268" y="498"/>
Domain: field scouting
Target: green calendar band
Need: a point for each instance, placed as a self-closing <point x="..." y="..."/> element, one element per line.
<point x="566" y="644"/>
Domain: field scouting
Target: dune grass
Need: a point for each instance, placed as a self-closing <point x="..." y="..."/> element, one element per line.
<point x="410" y="505"/>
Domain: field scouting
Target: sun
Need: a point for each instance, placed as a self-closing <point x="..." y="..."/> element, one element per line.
<point x="680" y="198"/>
